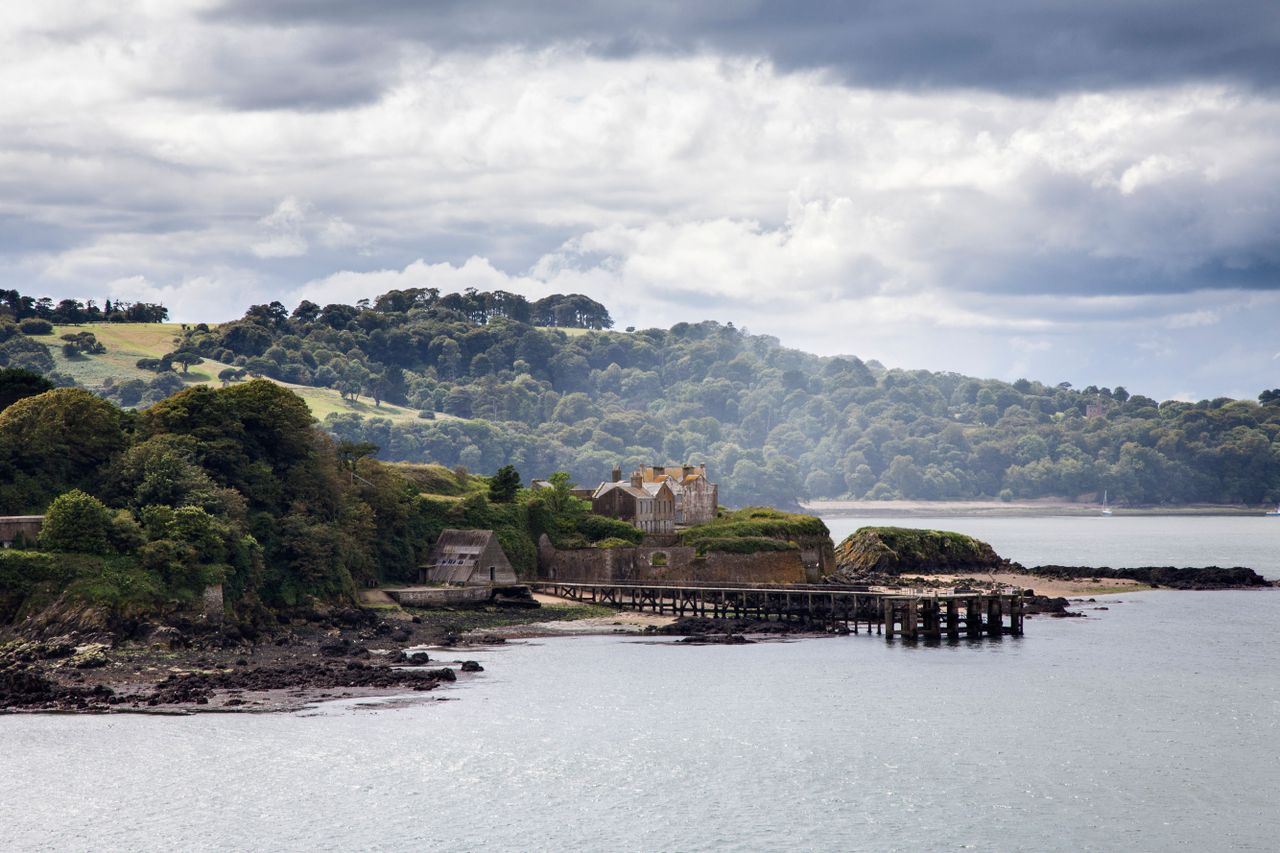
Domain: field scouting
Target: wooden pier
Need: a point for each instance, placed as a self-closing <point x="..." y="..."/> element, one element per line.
<point x="916" y="615"/>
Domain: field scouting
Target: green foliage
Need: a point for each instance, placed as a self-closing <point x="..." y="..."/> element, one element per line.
<point x="433" y="479"/>
<point x="22" y="352"/>
<point x="81" y="343"/>
<point x="34" y="326"/>
<point x="599" y="528"/>
<point x="163" y="470"/>
<point x="754" y="530"/>
<point x="761" y="521"/>
<point x="741" y="544"/>
<point x="120" y="584"/>
<point x="77" y="522"/>
<point x="504" y="484"/>
<point x="30" y="581"/>
<point x="54" y="442"/>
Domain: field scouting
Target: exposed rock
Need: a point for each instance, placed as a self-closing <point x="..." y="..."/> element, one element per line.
<point x="701" y="626"/>
<point x="899" y="550"/>
<point x="167" y="637"/>
<point x="471" y="666"/>
<point x="89" y="657"/>
<point x="1032" y="604"/>
<point x="1201" y="578"/>
<point x="189" y="688"/>
<point x="716" y="640"/>
<point x="342" y="647"/>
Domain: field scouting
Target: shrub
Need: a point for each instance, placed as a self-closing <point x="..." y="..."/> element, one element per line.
<point x="23" y="352"/>
<point x="741" y="545"/>
<point x="36" y="326"/>
<point x="504" y="484"/>
<point x="598" y="528"/>
<point x="77" y="522"/>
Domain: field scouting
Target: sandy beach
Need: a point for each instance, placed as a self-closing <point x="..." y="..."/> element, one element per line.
<point x="620" y="622"/>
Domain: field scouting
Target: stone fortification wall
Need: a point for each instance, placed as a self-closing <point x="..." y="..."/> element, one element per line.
<point x="20" y="531"/>
<point x="819" y="556"/>
<point x="675" y="563"/>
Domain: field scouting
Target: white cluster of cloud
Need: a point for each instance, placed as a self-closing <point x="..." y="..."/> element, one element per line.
<point x="1119" y="236"/>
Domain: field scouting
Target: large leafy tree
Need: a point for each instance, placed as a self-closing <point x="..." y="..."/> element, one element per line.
<point x="56" y="441"/>
<point x="504" y="484"/>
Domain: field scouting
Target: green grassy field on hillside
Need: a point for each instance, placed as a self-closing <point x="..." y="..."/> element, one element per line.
<point x="125" y="343"/>
<point x="128" y="342"/>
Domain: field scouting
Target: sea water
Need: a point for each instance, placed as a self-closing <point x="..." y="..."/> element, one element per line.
<point x="1151" y="725"/>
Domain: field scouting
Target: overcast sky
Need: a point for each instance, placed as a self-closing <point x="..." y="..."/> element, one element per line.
<point x="1085" y="191"/>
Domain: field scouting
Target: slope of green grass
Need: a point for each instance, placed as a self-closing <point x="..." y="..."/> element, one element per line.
<point x="569" y="332"/>
<point x="325" y="401"/>
<point x="128" y="342"/>
<point x="125" y="343"/>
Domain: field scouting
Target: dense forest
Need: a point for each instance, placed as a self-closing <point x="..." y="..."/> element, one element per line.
<point x="548" y="385"/>
<point x="774" y="424"/>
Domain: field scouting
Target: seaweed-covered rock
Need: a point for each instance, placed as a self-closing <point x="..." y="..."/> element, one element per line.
<point x="899" y="550"/>
<point x="1193" y="577"/>
<point x="716" y="640"/>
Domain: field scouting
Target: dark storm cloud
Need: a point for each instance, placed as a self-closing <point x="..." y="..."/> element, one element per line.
<point x="1028" y="48"/>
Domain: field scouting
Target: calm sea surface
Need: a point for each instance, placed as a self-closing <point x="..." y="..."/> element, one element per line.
<point x="1152" y="725"/>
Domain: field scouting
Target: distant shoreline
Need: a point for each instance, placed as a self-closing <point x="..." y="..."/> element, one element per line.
<point x="1013" y="509"/>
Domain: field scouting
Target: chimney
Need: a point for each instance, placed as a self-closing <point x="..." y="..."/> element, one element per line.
<point x="617" y="473"/>
<point x="687" y="470"/>
<point x="637" y="479"/>
<point x="658" y="471"/>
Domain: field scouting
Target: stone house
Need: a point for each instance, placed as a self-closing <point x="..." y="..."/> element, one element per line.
<point x="649" y="506"/>
<point x="469" y="558"/>
<point x="697" y="498"/>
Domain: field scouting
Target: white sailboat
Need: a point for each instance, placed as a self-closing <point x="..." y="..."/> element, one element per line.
<point x="1106" y="510"/>
<point x="1276" y="513"/>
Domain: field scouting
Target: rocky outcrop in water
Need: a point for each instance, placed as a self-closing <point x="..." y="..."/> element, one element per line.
<point x="1202" y="578"/>
<point x="702" y="626"/>
<point x="902" y="550"/>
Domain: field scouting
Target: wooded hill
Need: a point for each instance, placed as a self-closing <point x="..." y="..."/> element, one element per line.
<point x="234" y="486"/>
<point x="238" y="487"/>
<point x="774" y="425"/>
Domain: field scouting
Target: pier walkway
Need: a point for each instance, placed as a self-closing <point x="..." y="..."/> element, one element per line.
<point x="919" y="614"/>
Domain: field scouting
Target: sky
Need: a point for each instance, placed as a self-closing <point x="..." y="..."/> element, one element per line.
<point x="1083" y="191"/>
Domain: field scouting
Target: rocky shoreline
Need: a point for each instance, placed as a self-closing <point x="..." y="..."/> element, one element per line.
<point x="312" y="657"/>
